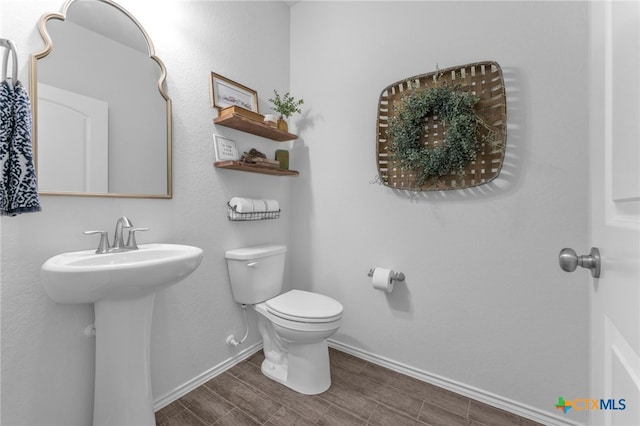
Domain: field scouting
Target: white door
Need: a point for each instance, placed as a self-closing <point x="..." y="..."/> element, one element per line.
<point x="615" y="211"/>
<point x="73" y="141"/>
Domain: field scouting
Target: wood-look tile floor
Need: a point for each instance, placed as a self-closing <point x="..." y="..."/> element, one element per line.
<point x="361" y="393"/>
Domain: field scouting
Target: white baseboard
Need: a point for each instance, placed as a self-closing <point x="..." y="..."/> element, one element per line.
<point x="201" y="379"/>
<point x="480" y="395"/>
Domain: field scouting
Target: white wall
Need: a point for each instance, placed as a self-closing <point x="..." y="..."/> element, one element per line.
<point x="47" y="362"/>
<point x="485" y="304"/>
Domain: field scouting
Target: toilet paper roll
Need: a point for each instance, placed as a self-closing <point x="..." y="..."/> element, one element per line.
<point x="382" y="279"/>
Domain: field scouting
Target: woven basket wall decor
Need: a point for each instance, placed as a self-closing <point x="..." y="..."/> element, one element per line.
<point x="482" y="79"/>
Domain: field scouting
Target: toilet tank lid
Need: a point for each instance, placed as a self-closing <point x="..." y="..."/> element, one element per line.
<point x="256" y="252"/>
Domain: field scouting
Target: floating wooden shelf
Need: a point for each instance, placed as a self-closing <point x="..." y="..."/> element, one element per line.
<point x="246" y="167"/>
<point x="238" y="122"/>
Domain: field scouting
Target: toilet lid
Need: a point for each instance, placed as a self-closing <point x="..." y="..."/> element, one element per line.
<point x="304" y="306"/>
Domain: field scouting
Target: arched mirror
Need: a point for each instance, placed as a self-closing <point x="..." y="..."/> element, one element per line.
<point x="102" y="118"/>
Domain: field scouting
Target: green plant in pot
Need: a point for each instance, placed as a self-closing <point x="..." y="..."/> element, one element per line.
<point x="286" y="106"/>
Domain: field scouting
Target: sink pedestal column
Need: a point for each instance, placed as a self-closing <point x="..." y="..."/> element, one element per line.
<point x="123" y="378"/>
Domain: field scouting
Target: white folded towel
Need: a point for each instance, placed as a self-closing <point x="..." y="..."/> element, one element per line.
<point x="272" y="205"/>
<point x="251" y="205"/>
<point x="242" y="205"/>
<point x="259" y="206"/>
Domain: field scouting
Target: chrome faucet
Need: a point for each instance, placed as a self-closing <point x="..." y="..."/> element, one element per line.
<point x="118" y="238"/>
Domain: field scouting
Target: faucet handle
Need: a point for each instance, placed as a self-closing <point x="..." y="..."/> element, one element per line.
<point x="103" y="245"/>
<point x="131" y="240"/>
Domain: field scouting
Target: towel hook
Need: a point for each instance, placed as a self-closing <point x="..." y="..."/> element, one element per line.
<point x="11" y="47"/>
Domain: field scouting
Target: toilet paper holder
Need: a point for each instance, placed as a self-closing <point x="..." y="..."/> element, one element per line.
<point x="397" y="276"/>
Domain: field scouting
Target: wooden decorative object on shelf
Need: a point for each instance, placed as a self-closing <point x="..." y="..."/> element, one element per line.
<point x="482" y="79"/>
<point x="242" y="112"/>
<point x="269" y="164"/>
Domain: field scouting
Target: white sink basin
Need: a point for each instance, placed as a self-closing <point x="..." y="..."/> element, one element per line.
<point x="86" y="277"/>
<point x="122" y="286"/>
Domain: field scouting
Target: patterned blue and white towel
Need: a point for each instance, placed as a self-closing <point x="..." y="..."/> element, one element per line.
<point x="18" y="186"/>
<point x="6" y="130"/>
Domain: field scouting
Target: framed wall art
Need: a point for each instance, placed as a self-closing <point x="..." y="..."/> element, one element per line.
<point x="225" y="93"/>
<point x="225" y="149"/>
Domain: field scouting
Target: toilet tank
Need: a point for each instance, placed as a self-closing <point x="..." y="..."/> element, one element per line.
<point x="256" y="273"/>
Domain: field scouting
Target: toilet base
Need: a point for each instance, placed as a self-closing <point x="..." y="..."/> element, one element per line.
<point x="305" y="370"/>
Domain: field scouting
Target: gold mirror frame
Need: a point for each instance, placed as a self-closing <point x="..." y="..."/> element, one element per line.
<point x="33" y="81"/>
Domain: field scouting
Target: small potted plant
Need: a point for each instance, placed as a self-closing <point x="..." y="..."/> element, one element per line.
<point x="285" y="106"/>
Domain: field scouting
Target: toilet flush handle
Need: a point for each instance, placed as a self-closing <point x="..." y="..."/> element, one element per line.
<point x="252" y="264"/>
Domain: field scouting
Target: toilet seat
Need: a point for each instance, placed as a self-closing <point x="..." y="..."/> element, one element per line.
<point x="304" y="306"/>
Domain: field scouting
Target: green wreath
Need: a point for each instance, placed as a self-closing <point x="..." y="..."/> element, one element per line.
<point x="454" y="108"/>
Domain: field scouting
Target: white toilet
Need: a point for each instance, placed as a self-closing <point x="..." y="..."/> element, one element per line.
<point x="294" y="325"/>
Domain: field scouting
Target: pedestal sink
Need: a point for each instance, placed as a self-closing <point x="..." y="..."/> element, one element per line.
<point x="122" y="287"/>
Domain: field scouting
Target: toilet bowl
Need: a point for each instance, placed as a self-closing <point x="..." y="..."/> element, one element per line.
<point x="294" y="325"/>
<point x="295" y="345"/>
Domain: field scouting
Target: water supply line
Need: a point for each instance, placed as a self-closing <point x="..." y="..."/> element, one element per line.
<point x="231" y="340"/>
